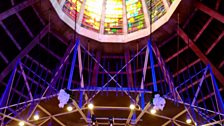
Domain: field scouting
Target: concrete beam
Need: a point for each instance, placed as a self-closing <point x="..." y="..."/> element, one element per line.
<point x="215" y="14"/>
<point x="24" y="52"/>
<point x="129" y="69"/>
<point x="199" y="53"/>
<point x="17" y="8"/>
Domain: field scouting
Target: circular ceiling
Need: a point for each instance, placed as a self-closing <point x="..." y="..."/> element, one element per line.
<point x="117" y="21"/>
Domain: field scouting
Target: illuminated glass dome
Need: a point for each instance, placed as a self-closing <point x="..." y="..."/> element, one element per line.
<point x="115" y="20"/>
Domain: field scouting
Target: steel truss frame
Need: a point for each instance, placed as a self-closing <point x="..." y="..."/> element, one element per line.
<point x="79" y="107"/>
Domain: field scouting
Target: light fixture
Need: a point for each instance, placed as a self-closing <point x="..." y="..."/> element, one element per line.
<point x="21" y="123"/>
<point x="132" y="106"/>
<point x="69" y="108"/>
<point x="93" y="119"/>
<point x="90" y="106"/>
<point x="36" y="117"/>
<point x="153" y="111"/>
<point x="111" y="121"/>
<point x="188" y="121"/>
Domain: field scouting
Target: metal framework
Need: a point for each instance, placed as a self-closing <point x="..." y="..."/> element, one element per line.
<point x="26" y="98"/>
<point x="190" y="106"/>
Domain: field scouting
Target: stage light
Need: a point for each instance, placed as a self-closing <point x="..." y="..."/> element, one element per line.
<point x="188" y="121"/>
<point x="93" y="119"/>
<point x="153" y="111"/>
<point x="69" y="108"/>
<point x="132" y="106"/>
<point x="111" y="121"/>
<point x="36" y="117"/>
<point x="21" y="123"/>
<point x="90" y="106"/>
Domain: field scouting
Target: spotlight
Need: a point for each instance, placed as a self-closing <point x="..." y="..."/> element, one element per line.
<point x="90" y="106"/>
<point x="36" y="117"/>
<point x="153" y="111"/>
<point x="22" y="123"/>
<point x="188" y="121"/>
<point x="93" y="118"/>
<point x="111" y="121"/>
<point x="69" y="108"/>
<point x="132" y="106"/>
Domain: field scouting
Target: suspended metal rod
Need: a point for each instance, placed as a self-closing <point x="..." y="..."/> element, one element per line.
<point x="128" y="69"/>
<point x="26" y="81"/>
<point x="111" y="77"/>
<point x="5" y="97"/>
<point x="199" y="87"/>
<point x="152" y="66"/>
<point x="112" y="89"/>
<point x="73" y="64"/>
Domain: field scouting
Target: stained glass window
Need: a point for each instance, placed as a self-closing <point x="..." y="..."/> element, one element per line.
<point x="157" y="9"/>
<point x="115" y="20"/>
<point x="113" y="23"/>
<point x="92" y="14"/>
<point x="171" y="1"/>
<point x="72" y="8"/>
<point x="135" y="15"/>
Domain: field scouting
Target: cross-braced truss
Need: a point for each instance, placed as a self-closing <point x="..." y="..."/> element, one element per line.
<point x="195" y="97"/>
<point x="28" y="84"/>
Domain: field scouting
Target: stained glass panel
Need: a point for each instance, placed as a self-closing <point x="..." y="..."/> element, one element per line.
<point x="171" y="1"/>
<point x="72" y="8"/>
<point x="92" y="15"/>
<point x="135" y="15"/>
<point x="113" y="23"/>
<point x="157" y="9"/>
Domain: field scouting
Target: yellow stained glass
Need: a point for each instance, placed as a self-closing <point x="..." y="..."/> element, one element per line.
<point x="156" y="9"/>
<point x="113" y="23"/>
<point x="72" y="8"/>
<point x="92" y="14"/>
<point x="135" y="15"/>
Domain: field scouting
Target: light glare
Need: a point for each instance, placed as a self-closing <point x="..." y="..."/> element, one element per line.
<point x="90" y="106"/>
<point x="69" y="108"/>
<point x="21" y="123"/>
<point x="36" y="117"/>
<point x="153" y="111"/>
<point x="188" y="121"/>
<point x="132" y="107"/>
